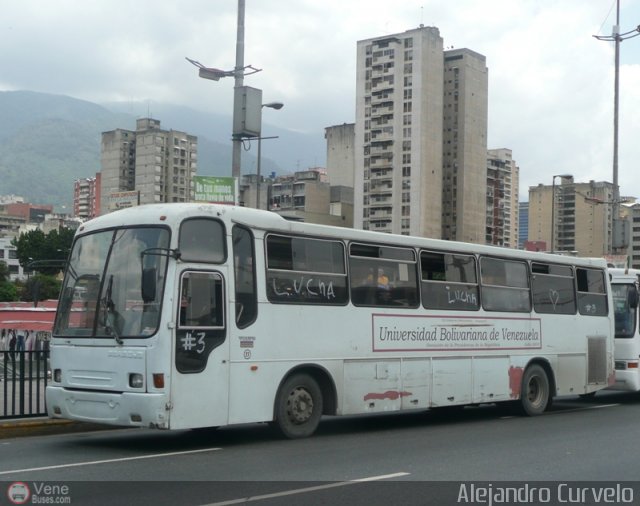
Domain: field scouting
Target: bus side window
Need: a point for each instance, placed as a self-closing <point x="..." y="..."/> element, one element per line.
<point x="449" y="281"/>
<point x="592" y="293"/>
<point x="201" y="300"/>
<point x="505" y="285"/>
<point x="383" y="276"/>
<point x="553" y="289"/>
<point x="245" y="277"/>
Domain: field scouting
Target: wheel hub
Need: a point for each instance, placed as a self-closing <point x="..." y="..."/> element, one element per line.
<point x="300" y="405"/>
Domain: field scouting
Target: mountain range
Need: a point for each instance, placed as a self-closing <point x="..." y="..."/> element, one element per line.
<point x="48" y="141"/>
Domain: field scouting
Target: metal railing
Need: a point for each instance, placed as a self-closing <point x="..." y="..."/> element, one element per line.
<point x="23" y="380"/>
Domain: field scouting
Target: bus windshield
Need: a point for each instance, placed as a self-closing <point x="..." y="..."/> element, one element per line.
<point x="625" y="315"/>
<point x="113" y="284"/>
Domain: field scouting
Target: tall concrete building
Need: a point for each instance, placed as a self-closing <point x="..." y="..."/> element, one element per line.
<point x="398" y="133"/>
<point x="502" y="211"/>
<point x="86" y="197"/>
<point x="154" y="164"/>
<point x="420" y="137"/>
<point x="578" y="216"/>
<point x="523" y="224"/>
<point x="630" y="211"/>
<point x="340" y="154"/>
<point x="464" y="146"/>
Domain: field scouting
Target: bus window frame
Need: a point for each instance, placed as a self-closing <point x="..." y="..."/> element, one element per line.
<point x="461" y="301"/>
<point x="219" y="277"/>
<point x="293" y="297"/>
<point x="184" y="256"/>
<point x="491" y="290"/>
<point x="375" y="294"/>
<point x="539" y="305"/>
<point x="582" y="296"/>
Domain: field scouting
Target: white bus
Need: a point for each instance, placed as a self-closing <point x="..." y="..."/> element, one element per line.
<point x="206" y="315"/>
<point x="624" y="287"/>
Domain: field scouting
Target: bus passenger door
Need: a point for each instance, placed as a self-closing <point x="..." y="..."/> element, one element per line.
<point x="200" y="369"/>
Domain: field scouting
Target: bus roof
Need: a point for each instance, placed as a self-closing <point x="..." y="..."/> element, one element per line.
<point x="173" y="213"/>
<point x="624" y="275"/>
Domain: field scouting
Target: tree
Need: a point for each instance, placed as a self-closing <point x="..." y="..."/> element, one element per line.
<point x="4" y="272"/>
<point x="41" y="287"/>
<point x="44" y="253"/>
<point x="8" y="292"/>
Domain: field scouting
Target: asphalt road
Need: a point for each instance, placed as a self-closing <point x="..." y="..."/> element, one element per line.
<point x="416" y="458"/>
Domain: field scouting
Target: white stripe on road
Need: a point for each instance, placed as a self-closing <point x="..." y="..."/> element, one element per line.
<point x="107" y="461"/>
<point x="599" y="406"/>
<point x="305" y="490"/>
<point x="571" y="410"/>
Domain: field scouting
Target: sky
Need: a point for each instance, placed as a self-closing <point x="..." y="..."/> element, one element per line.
<point x="551" y="83"/>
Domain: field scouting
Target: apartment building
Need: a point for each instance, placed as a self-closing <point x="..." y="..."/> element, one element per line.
<point x="464" y="148"/>
<point x="86" y="197"/>
<point x="398" y="133"/>
<point x="630" y="211"/>
<point x="9" y="255"/>
<point x="341" y="154"/>
<point x="572" y="217"/>
<point x="502" y="211"/>
<point x="523" y="224"/>
<point x="156" y="165"/>
<point x="420" y="137"/>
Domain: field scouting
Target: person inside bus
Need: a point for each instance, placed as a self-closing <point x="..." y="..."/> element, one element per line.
<point x="383" y="279"/>
<point x="383" y="287"/>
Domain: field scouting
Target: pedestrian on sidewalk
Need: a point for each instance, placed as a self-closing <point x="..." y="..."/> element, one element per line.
<point x="20" y="341"/>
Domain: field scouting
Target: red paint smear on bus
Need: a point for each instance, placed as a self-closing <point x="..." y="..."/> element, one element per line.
<point x="392" y="395"/>
<point x="515" y="381"/>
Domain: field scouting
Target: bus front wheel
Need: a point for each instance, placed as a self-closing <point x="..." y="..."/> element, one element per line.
<point x="535" y="393"/>
<point x="298" y="407"/>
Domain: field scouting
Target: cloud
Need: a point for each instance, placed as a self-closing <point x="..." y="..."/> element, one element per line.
<point x="550" y="81"/>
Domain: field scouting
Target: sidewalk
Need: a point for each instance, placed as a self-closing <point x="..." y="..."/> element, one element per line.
<point x="21" y="427"/>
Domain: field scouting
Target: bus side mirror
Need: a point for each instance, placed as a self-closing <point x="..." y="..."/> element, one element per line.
<point x="148" y="287"/>
<point x="633" y="298"/>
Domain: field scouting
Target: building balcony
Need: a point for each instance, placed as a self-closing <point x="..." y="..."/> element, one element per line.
<point x="381" y="151"/>
<point x="381" y="137"/>
<point x="381" y="163"/>
<point x="381" y="175"/>
<point x="378" y="200"/>
<point x="381" y="110"/>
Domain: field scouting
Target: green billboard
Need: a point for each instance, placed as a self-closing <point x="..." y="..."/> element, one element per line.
<point x="219" y="190"/>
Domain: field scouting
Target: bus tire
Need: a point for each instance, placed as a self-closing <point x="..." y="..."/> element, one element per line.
<point x="298" y="407"/>
<point x="535" y="392"/>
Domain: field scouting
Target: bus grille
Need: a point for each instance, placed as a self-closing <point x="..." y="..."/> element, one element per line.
<point x="597" y="349"/>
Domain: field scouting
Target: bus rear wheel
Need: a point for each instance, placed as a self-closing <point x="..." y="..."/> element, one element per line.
<point x="535" y="392"/>
<point x="298" y="407"/>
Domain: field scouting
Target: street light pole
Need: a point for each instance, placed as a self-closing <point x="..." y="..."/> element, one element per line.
<point x="553" y="207"/>
<point x="271" y="105"/>
<point x="617" y="38"/>
<point x="238" y="82"/>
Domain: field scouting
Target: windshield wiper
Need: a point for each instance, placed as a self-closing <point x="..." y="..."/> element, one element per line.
<point x="110" y="312"/>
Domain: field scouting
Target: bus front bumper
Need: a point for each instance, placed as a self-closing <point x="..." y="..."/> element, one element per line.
<point x="627" y="379"/>
<point x="124" y="409"/>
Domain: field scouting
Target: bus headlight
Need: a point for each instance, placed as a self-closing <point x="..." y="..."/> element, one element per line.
<point x="136" y="380"/>
<point x="57" y="375"/>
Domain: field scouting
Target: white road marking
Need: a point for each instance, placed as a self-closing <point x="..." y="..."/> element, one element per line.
<point x="306" y="490"/>
<point x="571" y="410"/>
<point x="599" y="406"/>
<point x="107" y="461"/>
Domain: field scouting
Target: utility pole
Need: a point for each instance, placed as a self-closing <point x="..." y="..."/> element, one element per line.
<point x="238" y="83"/>
<point x="617" y="38"/>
